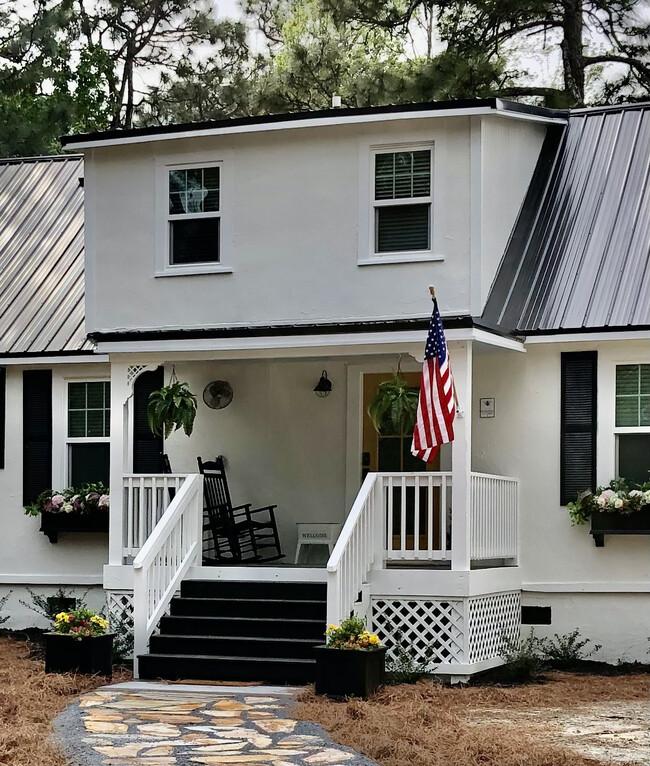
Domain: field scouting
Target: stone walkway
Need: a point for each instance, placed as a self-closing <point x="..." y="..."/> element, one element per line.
<point x="155" y="725"/>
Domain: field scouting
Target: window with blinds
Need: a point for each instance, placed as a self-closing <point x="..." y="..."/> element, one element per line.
<point x="194" y="215"/>
<point x="633" y="422"/>
<point x="402" y="201"/>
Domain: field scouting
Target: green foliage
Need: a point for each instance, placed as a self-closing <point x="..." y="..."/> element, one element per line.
<point x="523" y="658"/>
<point x="566" y="651"/>
<point x="80" y="622"/>
<point x="351" y="634"/>
<point x="620" y="496"/>
<point x="49" y="606"/>
<point x="87" y="498"/>
<point x="3" y="601"/>
<point x="171" y="408"/>
<point x="123" y="639"/>
<point x="402" y="666"/>
<point x="395" y="406"/>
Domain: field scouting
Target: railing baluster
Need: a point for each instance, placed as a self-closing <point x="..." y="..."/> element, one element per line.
<point x="416" y="514"/>
<point x="403" y="517"/>
<point x="442" y="515"/>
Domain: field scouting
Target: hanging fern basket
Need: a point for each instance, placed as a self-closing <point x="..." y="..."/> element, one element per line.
<point x="171" y="408"/>
<point x="395" y="404"/>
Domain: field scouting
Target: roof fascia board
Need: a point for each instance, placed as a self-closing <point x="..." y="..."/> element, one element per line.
<point x="588" y="337"/>
<point x="302" y="345"/>
<point x="317" y="122"/>
<point x="49" y="360"/>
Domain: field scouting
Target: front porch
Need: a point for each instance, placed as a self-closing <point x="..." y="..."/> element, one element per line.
<point x="431" y="555"/>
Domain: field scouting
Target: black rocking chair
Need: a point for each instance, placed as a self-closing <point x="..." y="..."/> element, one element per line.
<point x="239" y="535"/>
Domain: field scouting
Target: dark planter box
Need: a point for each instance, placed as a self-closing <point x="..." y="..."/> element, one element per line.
<point x="637" y="523"/>
<point x="53" y="523"/>
<point x="349" y="672"/>
<point x="89" y="654"/>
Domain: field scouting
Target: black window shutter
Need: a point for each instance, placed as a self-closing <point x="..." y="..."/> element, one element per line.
<point x="3" y="413"/>
<point x="37" y="433"/>
<point x="578" y="424"/>
<point x="147" y="448"/>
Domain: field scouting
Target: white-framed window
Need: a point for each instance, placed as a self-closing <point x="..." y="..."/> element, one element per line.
<point x="87" y="431"/>
<point x="192" y="226"/>
<point x="396" y="215"/>
<point x="632" y="422"/>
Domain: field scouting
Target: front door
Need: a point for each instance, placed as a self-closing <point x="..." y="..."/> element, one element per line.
<point x="391" y="452"/>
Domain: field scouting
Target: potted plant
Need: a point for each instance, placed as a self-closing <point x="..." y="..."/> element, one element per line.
<point x="396" y="404"/>
<point x="74" y="509"/>
<point x="171" y="408"/>
<point x="621" y="508"/>
<point x="79" y="643"/>
<point x="352" y="662"/>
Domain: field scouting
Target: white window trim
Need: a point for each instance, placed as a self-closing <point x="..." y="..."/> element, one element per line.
<point x="367" y="204"/>
<point x="620" y="430"/>
<point x="163" y="266"/>
<point x="68" y="440"/>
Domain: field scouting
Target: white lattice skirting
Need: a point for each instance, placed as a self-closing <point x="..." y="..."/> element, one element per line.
<point x="120" y="609"/>
<point x="457" y="635"/>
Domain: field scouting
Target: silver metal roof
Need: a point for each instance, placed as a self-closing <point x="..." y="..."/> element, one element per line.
<point x="41" y="256"/>
<point x="579" y="256"/>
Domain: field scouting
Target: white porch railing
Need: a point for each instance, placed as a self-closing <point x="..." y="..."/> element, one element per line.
<point x="417" y="514"/>
<point x="493" y="517"/>
<point x="164" y="559"/>
<point x="404" y="517"/>
<point x="359" y="546"/>
<point x="146" y="498"/>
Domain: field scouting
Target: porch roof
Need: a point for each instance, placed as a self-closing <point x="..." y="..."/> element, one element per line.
<point x="41" y="257"/>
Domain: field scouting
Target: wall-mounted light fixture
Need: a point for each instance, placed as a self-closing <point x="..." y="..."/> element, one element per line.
<point x="324" y="386"/>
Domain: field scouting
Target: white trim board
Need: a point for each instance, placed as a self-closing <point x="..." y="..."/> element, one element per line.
<point x="586" y="587"/>
<point x="315" y="122"/>
<point x="33" y="361"/>
<point x="588" y="337"/>
<point x="50" y="579"/>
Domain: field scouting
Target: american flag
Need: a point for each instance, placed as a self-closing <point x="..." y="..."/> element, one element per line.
<point x="436" y="406"/>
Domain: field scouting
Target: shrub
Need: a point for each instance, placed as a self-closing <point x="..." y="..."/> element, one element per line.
<point x="566" y="651"/>
<point x="402" y="666"/>
<point x="3" y="601"/>
<point x="49" y="606"/>
<point x="523" y="658"/>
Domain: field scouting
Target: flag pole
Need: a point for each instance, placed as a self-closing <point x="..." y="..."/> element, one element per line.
<point x="432" y="290"/>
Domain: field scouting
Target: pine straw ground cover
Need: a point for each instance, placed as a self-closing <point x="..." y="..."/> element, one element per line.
<point x="426" y="724"/>
<point x="30" y="699"/>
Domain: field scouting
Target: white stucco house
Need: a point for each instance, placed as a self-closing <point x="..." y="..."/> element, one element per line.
<point x="265" y="251"/>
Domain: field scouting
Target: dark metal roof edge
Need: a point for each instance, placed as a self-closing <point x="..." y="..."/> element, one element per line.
<point x="627" y="106"/>
<point x="40" y="158"/>
<point x="230" y="122"/>
<point x="584" y="330"/>
<point x="331" y="328"/>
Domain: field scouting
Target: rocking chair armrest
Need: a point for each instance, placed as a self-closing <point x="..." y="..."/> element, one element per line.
<point x="241" y="507"/>
<point x="269" y="508"/>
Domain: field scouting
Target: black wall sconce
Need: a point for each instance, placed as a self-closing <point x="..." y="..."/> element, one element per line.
<point x="324" y="386"/>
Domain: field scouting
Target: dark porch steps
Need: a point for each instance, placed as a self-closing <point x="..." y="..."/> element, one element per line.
<point x="277" y="670"/>
<point x="239" y="631"/>
<point x="241" y="607"/>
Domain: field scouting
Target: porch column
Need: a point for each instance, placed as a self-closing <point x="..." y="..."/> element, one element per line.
<point x="461" y="457"/>
<point x="120" y="392"/>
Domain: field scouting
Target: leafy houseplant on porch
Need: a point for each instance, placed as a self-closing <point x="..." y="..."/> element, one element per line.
<point x="622" y="508"/>
<point x="74" y="509"/>
<point x="79" y="643"/>
<point x="352" y="663"/>
<point x="171" y="408"/>
<point x="396" y="403"/>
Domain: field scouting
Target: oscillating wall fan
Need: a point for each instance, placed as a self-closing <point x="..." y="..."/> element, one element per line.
<point x="217" y="394"/>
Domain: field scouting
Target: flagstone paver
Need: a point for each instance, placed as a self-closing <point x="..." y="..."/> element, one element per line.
<point x="114" y="726"/>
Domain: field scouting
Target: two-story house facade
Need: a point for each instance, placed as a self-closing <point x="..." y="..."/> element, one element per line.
<point x="268" y="252"/>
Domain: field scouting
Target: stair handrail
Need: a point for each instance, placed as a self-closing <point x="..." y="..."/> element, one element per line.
<point x="359" y="547"/>
<point x="174" y="545"/>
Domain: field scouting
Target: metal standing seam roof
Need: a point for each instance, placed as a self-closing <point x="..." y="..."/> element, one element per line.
<point x="579" y="255"/>
<point x="41" y="256"/>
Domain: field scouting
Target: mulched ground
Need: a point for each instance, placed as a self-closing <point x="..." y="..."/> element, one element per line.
<point x="539" y="724"/>
<point x="30" y="699"/>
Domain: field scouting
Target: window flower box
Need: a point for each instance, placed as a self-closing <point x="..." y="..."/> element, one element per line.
<point x="75" y="509"/>
<point x="604" y="523"/>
